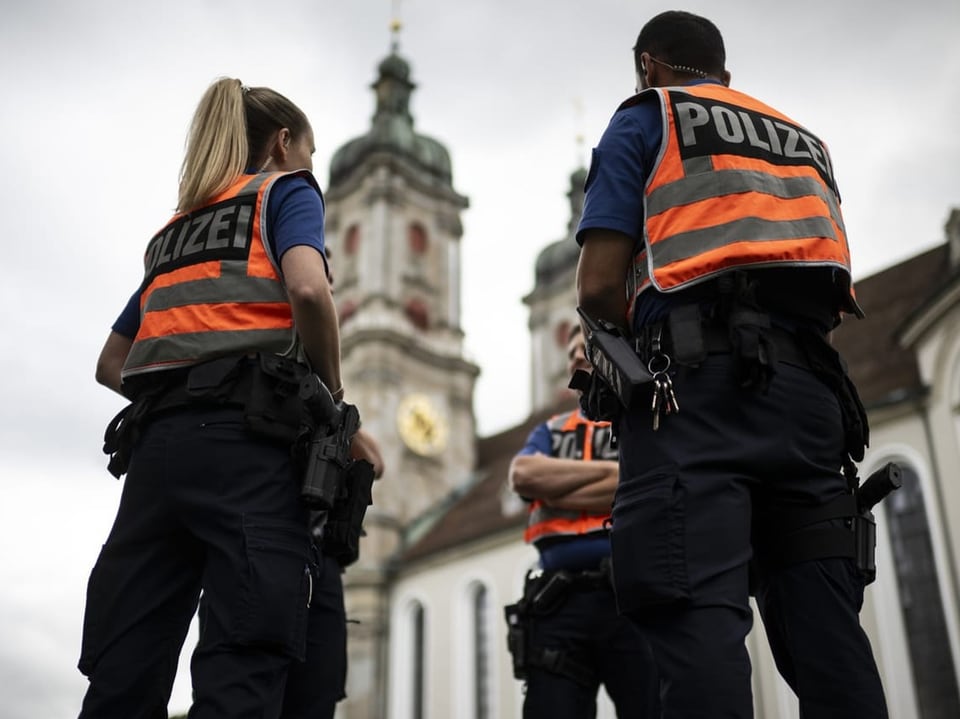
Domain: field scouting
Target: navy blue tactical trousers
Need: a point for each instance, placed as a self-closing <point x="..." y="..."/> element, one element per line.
<point x="682" y="538"/>
<point x="205" y="505"/>
<point x="315" y="685"/>
<point x="587" y="627"/>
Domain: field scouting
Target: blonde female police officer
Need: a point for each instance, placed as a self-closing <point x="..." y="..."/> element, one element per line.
<point x="234" y="281"/>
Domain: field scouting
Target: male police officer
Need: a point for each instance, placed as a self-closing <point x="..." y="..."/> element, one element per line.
<point x="712" y="230"/>
<point x="574" y="641"/>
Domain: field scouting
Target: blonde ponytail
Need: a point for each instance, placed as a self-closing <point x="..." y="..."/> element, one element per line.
<point x="217" y="145"/>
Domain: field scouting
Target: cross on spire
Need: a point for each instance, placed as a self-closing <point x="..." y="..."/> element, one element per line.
<point x="395" y="26"/>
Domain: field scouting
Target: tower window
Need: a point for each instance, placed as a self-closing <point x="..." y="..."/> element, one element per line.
<point x="351" y="241"/>
<point x="416" y="312"/>
<point x="417" y="238"/>
<point x="418" y="663"/>
<point x="481" y="656"/>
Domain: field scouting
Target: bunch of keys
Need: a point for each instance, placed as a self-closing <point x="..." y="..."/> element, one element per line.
<point x="664" y="397"/>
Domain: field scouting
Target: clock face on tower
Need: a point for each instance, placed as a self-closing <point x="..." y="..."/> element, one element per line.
<point x="421" y="425"/>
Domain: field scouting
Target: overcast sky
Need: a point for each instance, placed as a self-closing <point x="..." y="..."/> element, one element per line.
<point x="95" y="98"/>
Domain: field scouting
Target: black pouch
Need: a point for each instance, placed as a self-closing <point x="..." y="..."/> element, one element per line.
<point x="273" y="408"/>
<point x="597" y="401"/>
<point x="855" y="424"/>
<point x="344" y="522"/>
<point x="271" y="608"/>
<point x="647" y="540"/>
<point x="213" y="381"/>
<point x="829" y="366"/>
<point x="687" y="344"/>
<point x="516" y="619"/>
<point x="752" y="346"/>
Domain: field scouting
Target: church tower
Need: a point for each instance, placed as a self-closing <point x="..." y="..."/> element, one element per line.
<point x="552" y="304"/>
<point x="393" y="228"/>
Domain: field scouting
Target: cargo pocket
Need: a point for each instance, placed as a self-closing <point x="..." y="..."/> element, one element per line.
<point x="647" y="541"/>
<point x="275" y="590"/>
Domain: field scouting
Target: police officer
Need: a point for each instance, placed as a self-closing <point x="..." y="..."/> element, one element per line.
<point x="712" y="234"/>
<point x="574" y="640"/>
<point x="234" y="290"/>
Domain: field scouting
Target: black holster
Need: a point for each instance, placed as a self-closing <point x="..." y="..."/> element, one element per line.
<point x="543" y="594"/>
<point x="343" y="526"/>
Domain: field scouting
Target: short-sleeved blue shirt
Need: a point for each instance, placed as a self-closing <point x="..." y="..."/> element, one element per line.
<point x="294" y="217"/>
<point x="572" y="553"/>
<point x="619" y="168"/>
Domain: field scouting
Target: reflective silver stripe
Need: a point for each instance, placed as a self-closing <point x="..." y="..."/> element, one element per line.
<point x="695" y="188"/>
<point x="546" y="514"/>
<point x="696" y="165"/>
<point x="216" y="290"/>
<point x="751" y="229"/>
<point x="193" y="347"/>
<point x="254" y="185"/>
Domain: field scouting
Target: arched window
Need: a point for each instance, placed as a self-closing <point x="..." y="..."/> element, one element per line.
<point x="416" y="312"/>
<point x="480" y="608"/>
<point x="409" y="673"/>
<point x="417" y="660"/>
<point x="417" y="238"/>
<point x="351" y="240"/>
<point x="920" y="599"/>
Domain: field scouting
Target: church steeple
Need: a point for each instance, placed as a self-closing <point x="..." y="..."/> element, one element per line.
<point x="393" y="89"/>
<point x="393" y="227"/>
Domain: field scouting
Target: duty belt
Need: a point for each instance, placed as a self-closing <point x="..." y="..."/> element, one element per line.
<point x="714" y="339"/>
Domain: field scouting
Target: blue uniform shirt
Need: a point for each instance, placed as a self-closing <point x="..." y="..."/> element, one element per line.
<point x="294" y="217"/>
<point x="619" y="168"/>
<point x="573" y="553"/>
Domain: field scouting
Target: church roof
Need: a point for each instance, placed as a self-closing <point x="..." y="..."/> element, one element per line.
<point x="883" y="370"/>
<point x="391" y="130"/>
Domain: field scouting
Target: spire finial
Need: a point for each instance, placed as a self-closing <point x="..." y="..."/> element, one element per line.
<point x="395" y="26"/>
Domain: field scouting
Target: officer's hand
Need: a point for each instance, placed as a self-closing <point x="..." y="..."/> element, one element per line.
<point x="365" y="447"/>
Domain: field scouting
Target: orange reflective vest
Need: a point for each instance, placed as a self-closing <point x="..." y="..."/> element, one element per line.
<point x="735" y="184"/>
<point x="573" y="436"/>
<point x="212" y="286"/>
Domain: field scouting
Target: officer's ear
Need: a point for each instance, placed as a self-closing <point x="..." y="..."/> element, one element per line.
<point x="643" y="73"/>
<point x="282" y="143"/>
<point x="725" y="77"/>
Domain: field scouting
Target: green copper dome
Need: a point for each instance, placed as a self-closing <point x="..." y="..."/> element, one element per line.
<point x="560" y="257"/>
<point x="392" y="128"/>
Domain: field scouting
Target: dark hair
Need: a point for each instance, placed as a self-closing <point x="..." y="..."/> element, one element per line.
<point x="681" y="38"/>
<point x="266" y="112"/>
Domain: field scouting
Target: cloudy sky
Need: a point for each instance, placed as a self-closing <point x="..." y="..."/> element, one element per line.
<point x="96" y="97"/>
